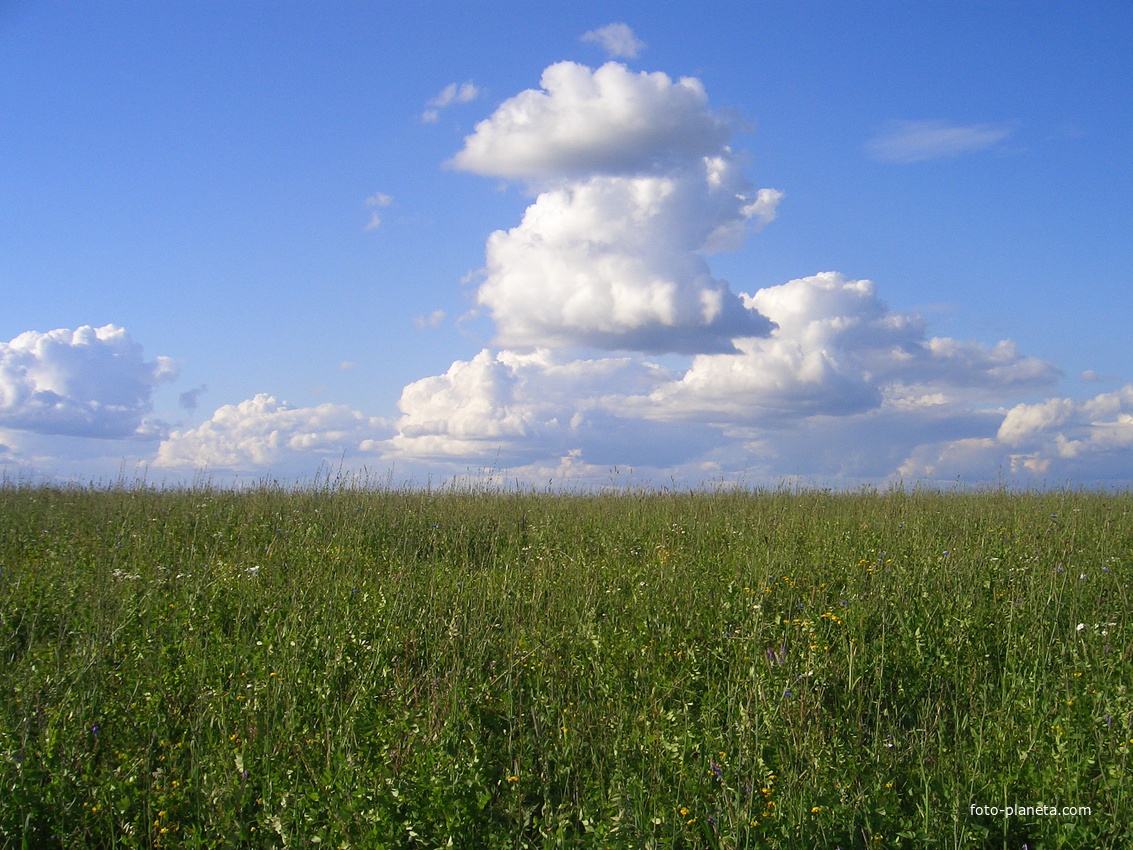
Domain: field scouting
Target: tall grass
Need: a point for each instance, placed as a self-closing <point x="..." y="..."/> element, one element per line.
<point x="391" y="668"/>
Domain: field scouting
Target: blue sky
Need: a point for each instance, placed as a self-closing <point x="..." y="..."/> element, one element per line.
<point x="810" y="241"/>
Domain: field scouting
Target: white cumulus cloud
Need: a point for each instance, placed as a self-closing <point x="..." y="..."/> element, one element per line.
<point x="637" y="184"/>
<point x="837" y="350"/>
<point x="526" y="407"/>
<point x="583" y="122"/>
<point x="617" y="263"/>
<point x="264" y="433"/>
<point x="87" y="382"/>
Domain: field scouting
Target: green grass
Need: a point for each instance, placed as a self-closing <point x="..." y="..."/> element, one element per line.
<point x="391" y="668"/>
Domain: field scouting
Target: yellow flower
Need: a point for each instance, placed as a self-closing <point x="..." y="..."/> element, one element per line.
<point x="814" y="810"/>
<point x="513" y="779"/>
<point x="684" y="811"/>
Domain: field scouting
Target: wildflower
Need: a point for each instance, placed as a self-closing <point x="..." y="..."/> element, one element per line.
<point x="513" y="778"/>
<point x="814" y="810"/>
<point x="1081" y="627"/>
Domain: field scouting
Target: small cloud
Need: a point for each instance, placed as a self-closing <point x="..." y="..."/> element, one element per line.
<point x="764" y="208"/>
<point x="1091" y="377"/>
<point x="920" y="141"/>
<point x="379" y="199"/>
<point x="450" y="94"/>
<point x="618" y="40"/>
<point x="433" y="320"/>
<point x="189" y="399"/>
<point x="346" y="365"/>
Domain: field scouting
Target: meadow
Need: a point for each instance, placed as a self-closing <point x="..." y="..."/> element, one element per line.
<point x="378" y="667"/>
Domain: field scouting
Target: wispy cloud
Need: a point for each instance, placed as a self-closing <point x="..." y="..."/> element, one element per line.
<point x="190" y="398"/>
<point x="379" y="200"/>
<point x="450" y="94"/>
<point x="920" y="141"/>
<point x="433" y="320"/>
<point x="618" y="40"/>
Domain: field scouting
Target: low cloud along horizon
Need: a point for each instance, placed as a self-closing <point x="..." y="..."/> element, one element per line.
<point x="615" y="345"/>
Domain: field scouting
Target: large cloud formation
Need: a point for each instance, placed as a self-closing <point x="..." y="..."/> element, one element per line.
<point x="87" y="382"/>
<point x="842" y="387"/>
<point x="616" y="345"/>
<point x="636" y="183"/>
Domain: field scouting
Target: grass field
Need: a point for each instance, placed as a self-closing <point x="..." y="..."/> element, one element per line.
<point x="352" y="667"/>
